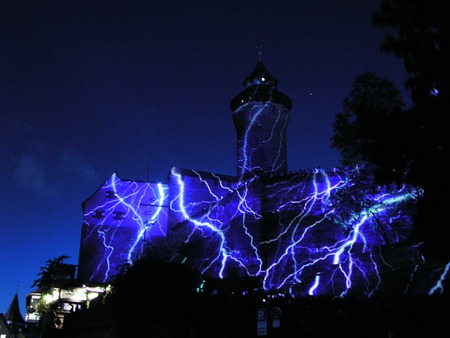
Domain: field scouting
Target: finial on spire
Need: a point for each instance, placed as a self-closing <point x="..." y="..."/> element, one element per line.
<point x="259" y="48"/>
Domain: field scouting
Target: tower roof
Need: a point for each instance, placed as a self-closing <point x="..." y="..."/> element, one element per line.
<point x="13" y="314"/>
<point x="260" y="76"/>
<point x="260" y="86"/>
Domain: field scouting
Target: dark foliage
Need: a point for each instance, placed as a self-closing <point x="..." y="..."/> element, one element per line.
<point x="55" y="274"/>
<point x="421" y="40"/>
<point x="406" y="145"/>
<point x="156" y="297"/>
<point x="149" y="292"/>
<point x="372" y="128"/>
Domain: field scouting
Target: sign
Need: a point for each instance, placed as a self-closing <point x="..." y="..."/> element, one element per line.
<point x="275" y="314"/>
<point x="261" y="314"/>
<point x="261" y="321"/>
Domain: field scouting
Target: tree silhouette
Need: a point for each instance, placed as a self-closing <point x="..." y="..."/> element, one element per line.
<point x="373" y="130"/>
<point x="55" y="274"/>
<point x="152" y="291"/>
<point x="421" y="40"/>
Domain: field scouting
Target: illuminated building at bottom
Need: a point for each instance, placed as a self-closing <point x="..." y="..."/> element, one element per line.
<point x="304" y="233"/>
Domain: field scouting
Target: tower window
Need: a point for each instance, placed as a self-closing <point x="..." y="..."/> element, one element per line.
<point x="119" y="215"/>
<point x="99" y="214"/>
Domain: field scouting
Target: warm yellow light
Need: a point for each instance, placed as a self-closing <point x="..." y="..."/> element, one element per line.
<point x="47" y="298"/>
<point x="92" y="295"/>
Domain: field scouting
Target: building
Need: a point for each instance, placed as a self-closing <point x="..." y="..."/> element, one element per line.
<point x="12" y="324"/>
<point x="304" y="233"/>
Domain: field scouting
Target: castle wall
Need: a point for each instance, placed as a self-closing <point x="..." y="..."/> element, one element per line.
<point x="296" y="232"/>
<point x="312" y="232"/>
<point x="118" y="220"/>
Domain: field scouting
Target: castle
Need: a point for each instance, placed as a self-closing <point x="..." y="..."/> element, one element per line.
<point x="306" y="233"/>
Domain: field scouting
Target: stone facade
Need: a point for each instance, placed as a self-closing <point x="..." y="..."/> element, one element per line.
<point x="311" y="232"/>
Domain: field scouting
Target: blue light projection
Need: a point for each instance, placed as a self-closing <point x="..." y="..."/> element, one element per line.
<point x="312" y="232"/>
<point x="286" y="231"/>
<point x="306" y="233"/>
<point x="260" y="116"/>
<point x="118" y="220"/>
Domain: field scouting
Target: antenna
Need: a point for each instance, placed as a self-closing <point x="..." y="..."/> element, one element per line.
<point x="259" y="48"/>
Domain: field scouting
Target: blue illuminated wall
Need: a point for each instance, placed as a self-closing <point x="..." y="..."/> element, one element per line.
<point x="118" y="220"/>
<point x="261" y="116"/>
<point x="310" y="232"/>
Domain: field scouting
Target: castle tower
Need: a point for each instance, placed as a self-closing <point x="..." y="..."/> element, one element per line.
<point x="260" y="116"/>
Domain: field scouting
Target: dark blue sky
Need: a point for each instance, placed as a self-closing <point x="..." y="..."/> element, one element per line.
<point x="92" y="87"/>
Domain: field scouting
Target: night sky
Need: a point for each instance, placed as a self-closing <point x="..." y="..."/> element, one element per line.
<point x="88" y="88"/>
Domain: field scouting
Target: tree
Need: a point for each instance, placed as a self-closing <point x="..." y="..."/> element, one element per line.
<point x="421" y="39"/>
<point x="372" y="129"/>
<point x="151" y="291"/>
<point x="55" y="274"/>
<point x="164" y="294"/>
<point x="406" y="145"/>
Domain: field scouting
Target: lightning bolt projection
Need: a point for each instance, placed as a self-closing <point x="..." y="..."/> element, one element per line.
<point x="305" y="233"/>
<point x="297" y="233"/>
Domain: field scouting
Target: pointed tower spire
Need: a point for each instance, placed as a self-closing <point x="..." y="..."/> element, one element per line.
<point x="13" y="315"/>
